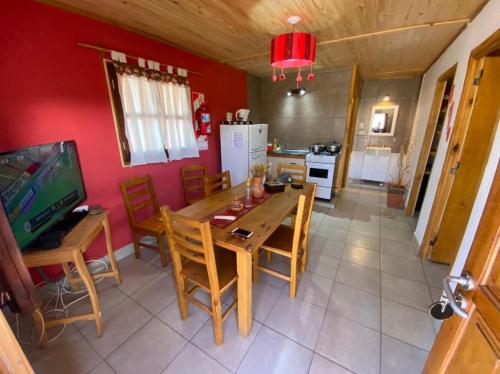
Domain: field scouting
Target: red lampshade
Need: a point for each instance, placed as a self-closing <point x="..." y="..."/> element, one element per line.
<point x="293" y="50"/>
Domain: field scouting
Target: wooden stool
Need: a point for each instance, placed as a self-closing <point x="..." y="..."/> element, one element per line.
<point x="74" y="244"/>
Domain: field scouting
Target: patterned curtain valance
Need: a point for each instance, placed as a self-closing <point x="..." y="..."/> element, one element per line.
<point x="127" y="69"/>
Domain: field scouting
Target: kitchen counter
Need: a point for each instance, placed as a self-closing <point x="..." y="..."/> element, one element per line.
<point x="289" y="153"/>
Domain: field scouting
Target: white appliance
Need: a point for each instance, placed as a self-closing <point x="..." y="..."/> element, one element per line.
<point x="242" y="146"/>
<point x="320" y="170"/>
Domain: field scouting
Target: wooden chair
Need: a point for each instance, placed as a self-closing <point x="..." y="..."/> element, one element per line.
<point x="216" y="183"/>
<point x="291" y="242"/>
<point x="198" y="267"/>
<point x="139" y="196"/>
<point x="192" y="179"/>
<point x="298" y="172"/>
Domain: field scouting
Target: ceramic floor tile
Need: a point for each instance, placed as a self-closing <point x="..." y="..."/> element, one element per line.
<point x="370" y="228"/>
<point x="399" y="249"/>
<point x="407" y="324"/>
<point x="321" y="365"/>
<point x="362" y="256"/>
<point x="406" y="292"/>
<point x="358" y="276"/>
<point x="402" y="268"/>
<point x="273" y="353"/>
<point x="360" y="306"/>
<point x="297" y="319"/>
<point x="364" y="240"/>
<point x="340" y="222"/>
<point x="120" y="322"/>
<point x="313" y="288"/>
<point x="235" y="346"/>
<point x="395" y="234"/>
<point x="68" y="354"/>
<point x="322" y="264"/>
<point x="436" y="293"/>
<point x="188" y="328"/>
<point x="150" y="350"/>
<point x="326" y="246"/>
<point x="157" y="294"/>
<point x="194" y="361"/>
<point x="435" y="272"/>
<point x="102" y="368"/>
<point x="398" y="357"/>
<point x="334" y="233"/>
<point x="350" y="344"/>
<point x="264" y="297"/>
<point x="136" y="274"/>
<point x="398" y="223"/>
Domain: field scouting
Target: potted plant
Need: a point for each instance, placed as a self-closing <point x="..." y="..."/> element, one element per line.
<point x="396" y="189"/>
<point x="258" y="173"/>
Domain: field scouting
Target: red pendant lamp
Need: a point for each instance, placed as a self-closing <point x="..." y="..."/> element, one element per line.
<point x="293" y="50"/>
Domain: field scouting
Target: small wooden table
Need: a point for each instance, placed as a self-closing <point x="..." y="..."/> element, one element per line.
<point x="74" y="244"/>
<point x="262" y="221"/>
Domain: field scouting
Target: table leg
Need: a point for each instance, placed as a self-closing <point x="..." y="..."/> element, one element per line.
<point x="89" y="283"/>
<point x="111" y="253"/>
<point x="244" y="268"/>
<point x="75" y="286"/>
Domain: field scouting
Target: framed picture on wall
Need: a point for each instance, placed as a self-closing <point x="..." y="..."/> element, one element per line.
<point x="383" y="120"/>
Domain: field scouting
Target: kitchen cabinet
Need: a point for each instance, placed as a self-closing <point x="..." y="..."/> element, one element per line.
<point x="374" y="164"/>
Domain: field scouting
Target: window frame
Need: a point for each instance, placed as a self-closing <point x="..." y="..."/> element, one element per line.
<point x="117" y="109"/>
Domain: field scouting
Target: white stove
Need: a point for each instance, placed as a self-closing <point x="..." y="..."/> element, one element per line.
<point x="321" y="170"/>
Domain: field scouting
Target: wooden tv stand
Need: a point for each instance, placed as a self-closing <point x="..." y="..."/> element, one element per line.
<point x="74" y="245"/>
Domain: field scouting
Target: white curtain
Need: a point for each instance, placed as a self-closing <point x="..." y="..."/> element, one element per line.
<point x="157" y="117"/>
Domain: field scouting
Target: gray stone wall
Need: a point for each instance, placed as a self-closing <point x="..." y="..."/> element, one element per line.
<point x="299" y="121"/>
<point x="402" y="92"/>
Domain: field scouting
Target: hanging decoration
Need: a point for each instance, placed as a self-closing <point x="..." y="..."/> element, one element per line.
<point x="293" y="50"/>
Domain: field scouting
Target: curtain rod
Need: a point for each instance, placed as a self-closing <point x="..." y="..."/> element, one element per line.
<point x="101" y="49"/>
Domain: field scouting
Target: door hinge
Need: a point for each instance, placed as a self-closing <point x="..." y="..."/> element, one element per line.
<point x="433" y="241"/>
<point x="477" y="80"/>
<point x="453" y="170"/>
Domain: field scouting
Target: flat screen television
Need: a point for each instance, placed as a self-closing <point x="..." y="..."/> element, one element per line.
<point x="39" y="186"/>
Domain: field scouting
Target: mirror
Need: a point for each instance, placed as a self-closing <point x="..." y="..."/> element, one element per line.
<point x="383" y="120"/>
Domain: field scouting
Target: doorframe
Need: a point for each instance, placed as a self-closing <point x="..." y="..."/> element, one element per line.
<point x="428" y="138"/>
<point x="481" y="263"/>
<point x="354" y="97"/>
<point x="454" y="151"/>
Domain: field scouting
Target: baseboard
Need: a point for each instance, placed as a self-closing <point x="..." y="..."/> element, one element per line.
<point x="121" y="253"/>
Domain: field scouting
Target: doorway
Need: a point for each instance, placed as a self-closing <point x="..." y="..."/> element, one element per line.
<point x="467" y="154"/>
<point x="437" y="118"/>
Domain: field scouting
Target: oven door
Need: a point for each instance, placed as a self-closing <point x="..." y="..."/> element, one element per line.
<point x="322" y="174"/>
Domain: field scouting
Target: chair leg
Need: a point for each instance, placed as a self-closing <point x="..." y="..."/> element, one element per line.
<point x="163" y="252"/>
<point x="137" y="246"/>
<point x="217" y="321"/>
<point x="303" y="261"/>
<point x="293" y="278"/>
<point x="269" y="256"/>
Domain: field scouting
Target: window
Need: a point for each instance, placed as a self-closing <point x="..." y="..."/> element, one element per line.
<point x="152" y="113"/>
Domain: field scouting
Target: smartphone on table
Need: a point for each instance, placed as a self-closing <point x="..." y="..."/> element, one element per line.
<point x="241" y="233"/>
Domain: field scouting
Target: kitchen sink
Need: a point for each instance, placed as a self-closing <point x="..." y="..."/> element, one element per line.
<point x="293" y="151"/>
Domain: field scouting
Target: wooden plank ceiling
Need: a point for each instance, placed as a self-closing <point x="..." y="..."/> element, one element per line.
<point x="238" y="32"/>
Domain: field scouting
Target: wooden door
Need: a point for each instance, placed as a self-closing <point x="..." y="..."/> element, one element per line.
<point x="475" y="149"/>
<point x="472" y="344"/>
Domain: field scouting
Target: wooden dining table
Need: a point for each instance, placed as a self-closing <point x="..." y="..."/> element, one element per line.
<point x="262" y="220"/>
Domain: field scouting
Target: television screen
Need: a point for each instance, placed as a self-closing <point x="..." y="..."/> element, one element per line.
<point x="39" y="186"/>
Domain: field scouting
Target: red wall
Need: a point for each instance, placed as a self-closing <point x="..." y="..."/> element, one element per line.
<point x="52" y="90"/>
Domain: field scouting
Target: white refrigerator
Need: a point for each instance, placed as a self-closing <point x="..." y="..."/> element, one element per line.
<point x="241" y="147"/>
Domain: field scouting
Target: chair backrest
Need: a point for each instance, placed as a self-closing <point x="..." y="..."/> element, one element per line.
<point x="192" y="180"/>
<point x="217" y="182"/>
<point x="192" y="240"/>
<point x="298" y="172"/>
<point x="138" y="194"/>
<point x="303" y="220"/>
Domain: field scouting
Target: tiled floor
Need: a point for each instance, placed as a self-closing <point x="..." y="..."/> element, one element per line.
<point x="360" y="307"/>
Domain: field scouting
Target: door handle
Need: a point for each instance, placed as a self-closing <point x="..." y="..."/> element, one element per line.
<point x="457" y="302"/>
